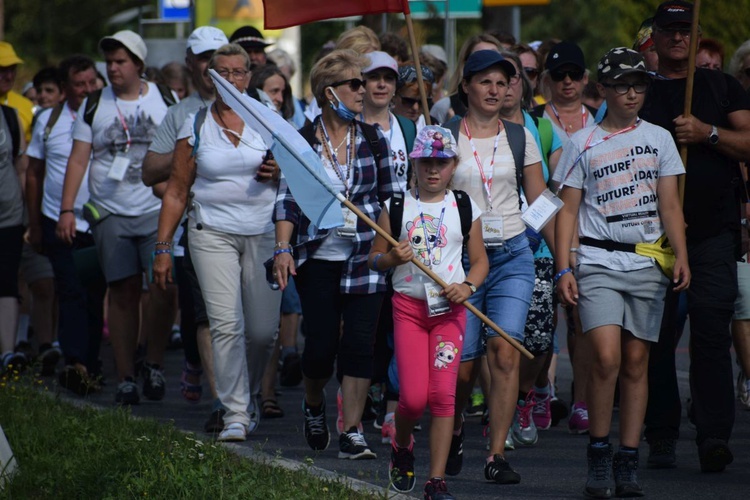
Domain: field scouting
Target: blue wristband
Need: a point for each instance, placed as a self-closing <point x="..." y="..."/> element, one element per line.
<point x="375" y="262"/>
<point x="562" y="273"/>
<point x="161" y="251"/>
<point x="278" y="252"/>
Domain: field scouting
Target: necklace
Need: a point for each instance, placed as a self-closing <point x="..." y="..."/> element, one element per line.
<point x="333" y="159"/>
<point x="336" y="149"/>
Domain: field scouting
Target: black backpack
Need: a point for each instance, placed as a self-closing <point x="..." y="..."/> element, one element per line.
<point x="92" y="103"/>
<point x="396" y="213"/>
<point x="11" y="119"/>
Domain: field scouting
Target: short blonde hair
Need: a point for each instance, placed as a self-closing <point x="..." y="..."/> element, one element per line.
<point x="330" y="68"/>
<point x="228" y="50"/>
<point x="360" y="39"/>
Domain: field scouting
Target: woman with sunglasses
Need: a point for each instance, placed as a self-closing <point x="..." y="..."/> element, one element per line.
<point x="330" y="268"/>
<point x="493" y="152"/>
<point x="533" y="410"/>
<point x="530" y="62"/>
<point x="408" y="100"/>
<point x="223" y="165"/>
<point x="565" y="77"/>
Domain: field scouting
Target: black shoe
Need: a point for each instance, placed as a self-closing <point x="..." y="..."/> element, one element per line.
<point x="352" y="445"/>
<point x="500" y="471"/>
<point x="401" y="468"/>
<point x="77" y="381"/>
<point x="714" y="455"/>
<point x="215" y="422"/>
<point x="49" y="357"/>
<point x="599" y="481"/>
<point x="382" y="410"/>
<point x="316" y="430"/>
<point x="14" y="362"/>
<point x="370" y="411"/>
<point x="625" y="469"/>
<point x="456" y="454"/>
<point x="291" y="371"/>
<point x="661" y="454"/>
<point x="436" y="489"/>
<point x="154" y="384"/>
<point x="559" y="410"/>
<point x="127" y="393"/>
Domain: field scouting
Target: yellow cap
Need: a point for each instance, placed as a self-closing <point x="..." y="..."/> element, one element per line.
<point x="8" y="56"/>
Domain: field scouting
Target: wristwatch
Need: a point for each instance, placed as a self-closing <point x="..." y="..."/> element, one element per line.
<point x="471" y="287"/>
<point x="713" y="137"/>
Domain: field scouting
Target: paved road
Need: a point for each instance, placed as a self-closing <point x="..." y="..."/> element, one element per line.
<point x="554" y="468"/>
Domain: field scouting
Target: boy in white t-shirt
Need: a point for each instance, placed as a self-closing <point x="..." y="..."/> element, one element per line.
<point x="619" y="179"/>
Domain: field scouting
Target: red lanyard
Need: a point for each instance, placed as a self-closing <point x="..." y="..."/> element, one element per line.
<point x="486" y="178"/>
<point x="589" y="145"/>
<point x="562" y="125"/>
<point x="135" y="118"/>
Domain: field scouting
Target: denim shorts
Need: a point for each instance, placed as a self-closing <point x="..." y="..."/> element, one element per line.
<point x="290" y="303"/>
<point x="504" y="296"/>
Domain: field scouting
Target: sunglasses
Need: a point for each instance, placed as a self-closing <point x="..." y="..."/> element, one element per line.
<point x="354" y="83"/>
<point x="670" y="32"/>
<point x="531" y="72"/>
<point x="624" y="88"/>
<point x="409" y="102"/>
<point x="575" y="74"/>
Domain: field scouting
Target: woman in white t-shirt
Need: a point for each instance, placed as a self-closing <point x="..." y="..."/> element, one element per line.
<point x="233" y="183"/>
<point x="488" y="173"/>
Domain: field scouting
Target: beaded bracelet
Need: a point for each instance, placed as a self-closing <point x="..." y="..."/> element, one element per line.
<point x="280" y="243"/>
<point x="164" y="243"/>
<point x="562" y="273"/>
<point x="278" y="252"/>
<point x="375" y="262"/>
<point x="161" y="251"/>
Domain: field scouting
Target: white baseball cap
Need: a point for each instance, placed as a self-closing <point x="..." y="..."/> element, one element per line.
<point x="131" y="40"/>
<point x="206" y="38"/>
<point x="379" y="59"/>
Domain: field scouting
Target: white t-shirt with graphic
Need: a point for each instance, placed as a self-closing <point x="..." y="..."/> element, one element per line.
<point x="108" y="136"/>
<point x="399" y="153"/>
<point x="444" y="258"/>
<point x="619" y="178"/>
<point x="55" y="152"/>
<point x="504" y="186"/>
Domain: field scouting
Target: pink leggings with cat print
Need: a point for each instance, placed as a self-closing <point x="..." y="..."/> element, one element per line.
<point x="428" y="354"/>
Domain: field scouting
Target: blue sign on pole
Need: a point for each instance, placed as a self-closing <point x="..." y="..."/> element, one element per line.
<point x="174" y="10"/>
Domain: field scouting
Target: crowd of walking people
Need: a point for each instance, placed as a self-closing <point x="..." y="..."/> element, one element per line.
<point x="139" y="207"/>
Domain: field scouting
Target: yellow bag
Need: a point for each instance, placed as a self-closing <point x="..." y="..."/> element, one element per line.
<point x="661" y="251"/>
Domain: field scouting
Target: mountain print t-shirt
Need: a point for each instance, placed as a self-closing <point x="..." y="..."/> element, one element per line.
<point x="619" y="178"/>
<point x="445" y="242"/>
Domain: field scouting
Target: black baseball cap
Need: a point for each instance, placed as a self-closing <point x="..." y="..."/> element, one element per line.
<point x="565" y="53"/>
<point x="673" y="12"/>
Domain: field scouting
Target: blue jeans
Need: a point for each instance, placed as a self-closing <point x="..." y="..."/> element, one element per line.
<point x="80" y="293"/>
<point x="504" y="296"/>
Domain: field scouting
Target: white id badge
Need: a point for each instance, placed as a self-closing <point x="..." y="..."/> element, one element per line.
<point x="492" y="229"/>
<point x="119" y="167"/>
<point x="349" y="229"/>
<point x="542" y="210"/>
<point x="436" y="304"/>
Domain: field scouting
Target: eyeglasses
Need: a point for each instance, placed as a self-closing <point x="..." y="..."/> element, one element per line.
<point x="670" y="32"/>
<point x="236" y="73"/>
<point x="624" y="88"/>
<point x="575" y="74"/>
<point x="531" y="72"/>
<point x="354" y="83"/>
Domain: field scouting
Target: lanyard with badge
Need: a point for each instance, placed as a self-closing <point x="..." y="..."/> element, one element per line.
<point x="349" y="229"/>
<point x="437" y="303"/>
<point x="121" y="161"/>
<point x="492" y="222"/>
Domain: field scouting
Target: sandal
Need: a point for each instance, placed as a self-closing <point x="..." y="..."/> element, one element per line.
<point x="270" y="409"/>
<point x="191" y="392"/>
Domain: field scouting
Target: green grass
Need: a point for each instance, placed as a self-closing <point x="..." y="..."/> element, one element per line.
<point x="68" y="452"/>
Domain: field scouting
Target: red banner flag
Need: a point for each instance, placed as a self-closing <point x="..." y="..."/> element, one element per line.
<point x="280" y="14"/>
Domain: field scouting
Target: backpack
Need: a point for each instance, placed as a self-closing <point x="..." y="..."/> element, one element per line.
<point x="53" y="119"/>
<point x="396" y="213"/>
<point x="544" y="127"/>
<point x="92" y="103"/>
<point x="11" y="119"/>
<point x="516" y="139"/>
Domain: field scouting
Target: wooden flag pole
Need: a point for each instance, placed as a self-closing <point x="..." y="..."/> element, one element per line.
<point x="415" y="56"/>
<point x="689" y="92"/>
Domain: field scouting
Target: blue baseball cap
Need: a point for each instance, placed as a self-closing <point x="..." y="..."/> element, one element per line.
<point x="483" y="59"/>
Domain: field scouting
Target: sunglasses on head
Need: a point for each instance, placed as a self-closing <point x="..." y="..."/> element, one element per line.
<point x="531" y="72"/>
<point x="575" y="74"/>
<point x="624" y="88"/>
<point x="354" y="83"/>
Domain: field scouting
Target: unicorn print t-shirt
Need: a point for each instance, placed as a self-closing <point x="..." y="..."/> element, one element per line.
<point x="438" y="245"/>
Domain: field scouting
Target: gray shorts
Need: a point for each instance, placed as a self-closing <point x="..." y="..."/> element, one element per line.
<point x="633" y="300"/>
<point x="34" y="266"/>
<point x="742" y="304"/>
<point x="125" y="244"/>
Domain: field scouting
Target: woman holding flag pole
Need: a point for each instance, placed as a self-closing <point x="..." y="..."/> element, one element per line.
<point x="330" y="266"/>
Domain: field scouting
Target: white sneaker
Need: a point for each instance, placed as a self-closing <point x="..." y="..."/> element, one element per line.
<point x="234" y="432"/>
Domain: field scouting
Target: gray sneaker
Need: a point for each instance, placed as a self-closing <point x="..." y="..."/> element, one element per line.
<point x="599" y="482"/>
<point x="523" y="427"/>
<point x="625" y="469"/>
